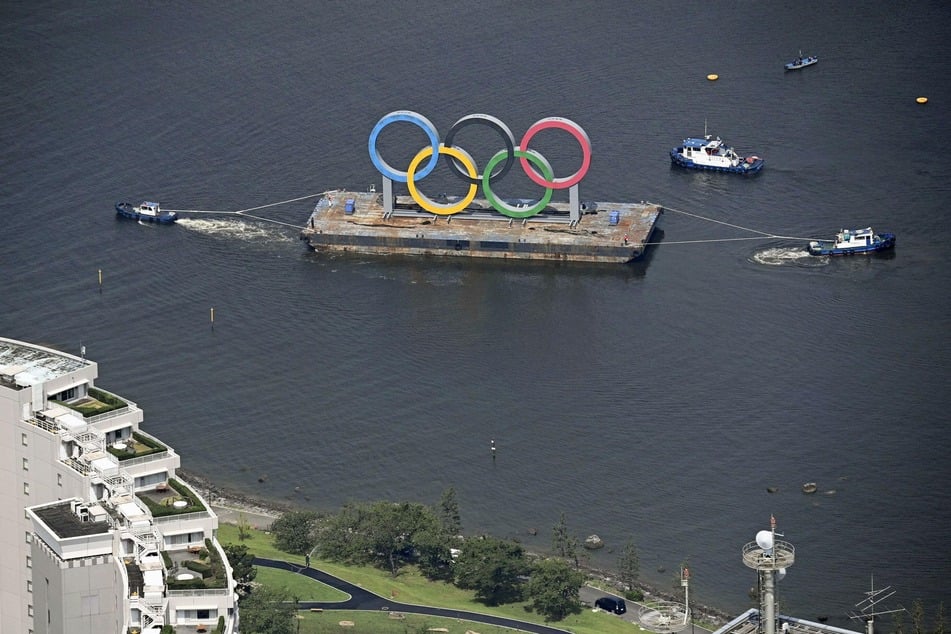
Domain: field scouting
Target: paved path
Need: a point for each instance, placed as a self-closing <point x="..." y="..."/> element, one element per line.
<point x="361" y="599"/>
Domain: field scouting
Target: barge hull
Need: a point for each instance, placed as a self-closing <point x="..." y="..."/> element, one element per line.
<point x="355" y="222"/>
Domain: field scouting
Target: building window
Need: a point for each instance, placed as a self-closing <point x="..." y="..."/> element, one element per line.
<point x="29" y="561"/>
<point x="59" y="479"/>
<point x="24" y="440"/>
<point x="29" y="586"/>
<point x="29" y="610"/>
<point x="26" y="464"/>
<point x="28" y="537"/>
<point x="26" y="488"/>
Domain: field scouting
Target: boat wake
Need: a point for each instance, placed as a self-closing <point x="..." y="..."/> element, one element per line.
<point x="238" y="229"/>
<point x="787" y="256"/>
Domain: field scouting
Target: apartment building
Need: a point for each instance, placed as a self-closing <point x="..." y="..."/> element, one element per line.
<point x="100" y="534"/>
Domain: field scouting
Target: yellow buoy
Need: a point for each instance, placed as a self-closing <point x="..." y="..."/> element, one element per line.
<point x="713" y="77"/>
<point x="922" y="100"/>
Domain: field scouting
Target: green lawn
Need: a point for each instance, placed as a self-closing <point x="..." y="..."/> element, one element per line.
<point x="408" y="587"/>
<point x="383" y="623"/>
<point x="295" y="585"/>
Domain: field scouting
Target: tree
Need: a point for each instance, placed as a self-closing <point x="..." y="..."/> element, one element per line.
<point x="449" y="513"/>
<point x="918" y="616"/>
<point x="554" y="589"/>
<point x="434" y="557"/>
<point x="266" y="611"/>
<point x="562" y="543"/>
<point x="244" y="527"/>
<point x="491" y="567"/>
<point x="898" y="625"/>
<point x="293" y="531"/>
<point x="384" y="534"/>
<point x="341" y="536"/>
<point x="392" y="529"/>
<point x="939" y="625"/>
<point x="241" y="563"/>
<point x="629" y="566"/>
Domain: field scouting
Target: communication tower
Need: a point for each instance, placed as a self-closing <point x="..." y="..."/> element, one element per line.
<point x="770" y="558"/>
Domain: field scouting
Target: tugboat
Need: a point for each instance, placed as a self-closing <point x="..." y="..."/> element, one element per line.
<point x="801" y="62"/>
<point x="146" y="212"/>
<point x="707" y="153"/>
<point x="849" y="241"/>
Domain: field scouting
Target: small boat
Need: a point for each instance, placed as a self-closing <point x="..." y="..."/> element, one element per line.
<point x="708" y="153"/>
<point x="849" y="241"/>
<point x="801" y="62"/>
<point x="810" y="487"/>
<point x="146" y="212"/>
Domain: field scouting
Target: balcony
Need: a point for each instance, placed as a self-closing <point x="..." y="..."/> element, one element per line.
<point x="196" y="571"/>
<point x="96" y="404"/>
<point x="173" y="499"/>
<point x="133" y="450"/>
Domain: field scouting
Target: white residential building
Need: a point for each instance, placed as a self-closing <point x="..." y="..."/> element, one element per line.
<point x="99" y="535"/>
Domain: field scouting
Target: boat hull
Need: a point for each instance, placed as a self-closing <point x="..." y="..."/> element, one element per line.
<point x="750" y="166"/>
<point x="822" y="247"/>
<point x="127" y="210"/>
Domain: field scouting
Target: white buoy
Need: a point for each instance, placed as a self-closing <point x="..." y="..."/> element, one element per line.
<point x="922" y="100"/>
<point x="713" y="77"/>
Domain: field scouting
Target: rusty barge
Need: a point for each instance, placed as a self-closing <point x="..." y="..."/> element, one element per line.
<point x="360" y="222"/>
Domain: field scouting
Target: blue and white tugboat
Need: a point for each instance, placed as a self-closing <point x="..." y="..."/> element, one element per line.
<point x="849" y="241"/>
<point x="801" y="62"/>
<point x="708" y="153"/>
<point x="146" y="212"/>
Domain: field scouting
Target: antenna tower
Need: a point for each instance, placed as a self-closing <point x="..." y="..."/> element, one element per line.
<point x="868" y="607"/>
<point x="770" y="557"/>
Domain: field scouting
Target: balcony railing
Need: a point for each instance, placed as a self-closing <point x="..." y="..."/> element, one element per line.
<point x="46" y="425"/>
<point x="181" y="516"/>
<point x="199" y="593"/>
<point x="81" y="467"/>
<point x="107" y="415"/>
<point x="129" y="462"/>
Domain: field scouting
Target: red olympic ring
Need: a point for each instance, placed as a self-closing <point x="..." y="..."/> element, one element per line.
<point x="576" y="131"/>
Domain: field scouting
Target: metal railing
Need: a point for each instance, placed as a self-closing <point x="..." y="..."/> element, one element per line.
<point x="199" y="593"/>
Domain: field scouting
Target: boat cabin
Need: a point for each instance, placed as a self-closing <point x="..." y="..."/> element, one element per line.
<point x="709" y="151"/>
<point x="149" y="209"/>
<point x="854" y="237"/>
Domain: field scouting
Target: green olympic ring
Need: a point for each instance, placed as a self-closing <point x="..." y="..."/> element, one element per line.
<point x="505" y="208"/>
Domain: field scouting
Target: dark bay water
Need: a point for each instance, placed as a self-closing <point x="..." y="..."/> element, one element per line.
<point x="656" y="402"/>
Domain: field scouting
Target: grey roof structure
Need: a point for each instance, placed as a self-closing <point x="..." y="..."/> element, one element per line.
<point x="63" y="521"/>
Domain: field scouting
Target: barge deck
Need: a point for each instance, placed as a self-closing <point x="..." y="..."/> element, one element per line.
<point x="356" y="222"/>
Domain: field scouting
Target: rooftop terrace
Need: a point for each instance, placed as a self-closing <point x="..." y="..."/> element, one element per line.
<point x="65" y="523"/>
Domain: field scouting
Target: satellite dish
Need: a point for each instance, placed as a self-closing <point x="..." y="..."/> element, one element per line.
<point x="764" y="539"/>
<point x="780" y="574"/>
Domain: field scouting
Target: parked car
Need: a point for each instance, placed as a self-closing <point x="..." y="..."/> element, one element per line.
<point x="610" y="604"/>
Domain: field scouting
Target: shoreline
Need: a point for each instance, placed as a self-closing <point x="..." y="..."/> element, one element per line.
<point x="230" y="504"/>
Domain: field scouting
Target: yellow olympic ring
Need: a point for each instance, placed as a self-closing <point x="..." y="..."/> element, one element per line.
<point x="430" y="205"/>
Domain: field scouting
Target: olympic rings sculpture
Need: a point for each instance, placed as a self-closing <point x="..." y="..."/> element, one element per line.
<point x="535" y="166"/>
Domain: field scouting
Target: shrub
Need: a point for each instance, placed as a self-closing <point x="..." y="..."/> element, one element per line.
<point x="634" y="595"/>
<point x="200" y="567"/>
